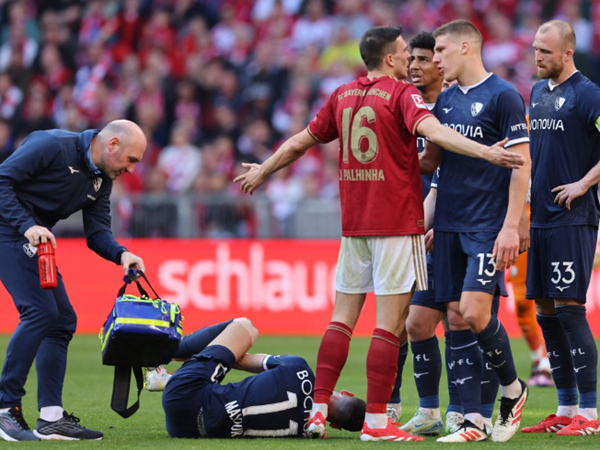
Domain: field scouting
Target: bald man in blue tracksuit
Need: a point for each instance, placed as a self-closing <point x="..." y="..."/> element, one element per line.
<point x="52" y="175"/>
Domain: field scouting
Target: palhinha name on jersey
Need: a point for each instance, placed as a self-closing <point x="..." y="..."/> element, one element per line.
<point x="235" y="415"/>
<point x="466" y="130"/>
<point x="547" y="124"/>
<point x="362" y="175"/>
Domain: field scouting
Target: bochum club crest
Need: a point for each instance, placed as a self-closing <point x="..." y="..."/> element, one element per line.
<point x="476" y="108"/>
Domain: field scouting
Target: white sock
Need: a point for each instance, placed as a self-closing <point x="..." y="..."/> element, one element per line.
<point x="3" y="410"/>
<point x="567" y="411"/>
<point x="475" y="418"/>
<point x="51" y="413"/>
<point x="319" y="407"/>
<point x="376" y="420"/>
<point x="431" y="412"/>
<point x="537" y="354"/>
<point x="513" y="390"/>
<point x="589" y="413"/>
<point x="487" y="422"/>
<point x="544" y="364"/>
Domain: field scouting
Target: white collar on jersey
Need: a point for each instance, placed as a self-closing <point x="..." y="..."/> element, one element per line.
<point x="466" y="89"/>
<point x="552" y="86"/>
<point x="429" y="106"/>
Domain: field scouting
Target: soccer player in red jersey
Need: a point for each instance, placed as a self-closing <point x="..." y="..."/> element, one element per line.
<point x="376" y="119"/>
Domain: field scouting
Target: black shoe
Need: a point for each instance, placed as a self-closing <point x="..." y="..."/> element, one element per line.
<point x="66" y="429"/>
<point x="13" y="426"/>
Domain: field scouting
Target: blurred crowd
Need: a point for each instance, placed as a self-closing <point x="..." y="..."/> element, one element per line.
<point x="217" y="82"/>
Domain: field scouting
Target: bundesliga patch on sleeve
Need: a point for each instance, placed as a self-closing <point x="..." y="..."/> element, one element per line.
<point x="418" y="101"/>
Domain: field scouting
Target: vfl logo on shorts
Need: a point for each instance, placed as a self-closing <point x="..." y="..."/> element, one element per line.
<point x="29" y="250"/>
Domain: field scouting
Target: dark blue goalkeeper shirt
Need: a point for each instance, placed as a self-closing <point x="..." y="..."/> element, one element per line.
<point x="48" y="178"/>
<point x="565" y="144"/>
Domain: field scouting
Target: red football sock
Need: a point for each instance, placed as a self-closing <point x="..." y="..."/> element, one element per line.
<point x="382" y="365"/>
<point x="332" y="356"/>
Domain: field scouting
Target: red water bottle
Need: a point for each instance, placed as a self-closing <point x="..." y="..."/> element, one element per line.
<point x="47" y="265"/>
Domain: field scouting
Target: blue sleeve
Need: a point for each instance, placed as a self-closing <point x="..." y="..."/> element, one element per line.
<point x="37" y="153"/>
<point x="589" y="105"/>
<point x="96" y="224"/>
<point x="511" y="117"/>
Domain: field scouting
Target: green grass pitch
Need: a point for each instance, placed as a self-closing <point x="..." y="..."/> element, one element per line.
<point x="88" y="388"/>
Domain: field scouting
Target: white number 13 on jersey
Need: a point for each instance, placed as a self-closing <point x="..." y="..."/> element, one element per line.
<point x="488" y="269"/>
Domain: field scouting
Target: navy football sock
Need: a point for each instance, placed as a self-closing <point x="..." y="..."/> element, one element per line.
<point x="489" y="389"/>
<point x="467" y="363"/>
<point x="395" y="398"/>
<point x="427" y="362"/>
<point x="487" y="410"/>
<point x="559" y="354"/>
<point x="583" y="351"/>
<point x="496" y="346"/>
<point x="455" y="403"/>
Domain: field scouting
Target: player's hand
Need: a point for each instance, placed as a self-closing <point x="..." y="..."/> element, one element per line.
<point x="37" y="235"/>
<point x="566" y="193"/>
<point x="251" y="180"/>
<point x="506" y="248"/>
<point x="131" y="261"/>
<point x="499" y="156"/>
<point x="429" y="241"/>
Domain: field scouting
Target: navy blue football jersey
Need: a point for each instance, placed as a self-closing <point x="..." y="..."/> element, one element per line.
<point x="565" y="145"/>
<point x="435" y="179"/>
<point x="425" y="179"/>
<point x="275" y="403"/>
<point x="473" y="194"/>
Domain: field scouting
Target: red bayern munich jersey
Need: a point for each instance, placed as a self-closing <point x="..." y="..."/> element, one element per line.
<point x="380" y="180"/>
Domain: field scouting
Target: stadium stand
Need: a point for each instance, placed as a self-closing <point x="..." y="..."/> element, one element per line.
<point x="217" y="82"/>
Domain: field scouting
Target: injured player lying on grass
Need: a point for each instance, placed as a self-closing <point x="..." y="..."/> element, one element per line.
<point x="273" y="403"/>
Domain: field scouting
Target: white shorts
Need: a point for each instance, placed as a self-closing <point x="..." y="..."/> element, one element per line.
<point x="386" y="265"/>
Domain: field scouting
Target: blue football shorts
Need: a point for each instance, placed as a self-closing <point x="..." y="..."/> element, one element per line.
<point x="559" y="262"/>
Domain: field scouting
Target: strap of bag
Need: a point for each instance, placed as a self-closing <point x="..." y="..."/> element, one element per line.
<point x="132" y="276"/>
<point x="147" y="281"/>
<point x="120" y="394"/>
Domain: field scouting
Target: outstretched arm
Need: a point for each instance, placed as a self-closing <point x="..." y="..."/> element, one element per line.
<point x="290" y="151"/>
<point x="455" y="142"/>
